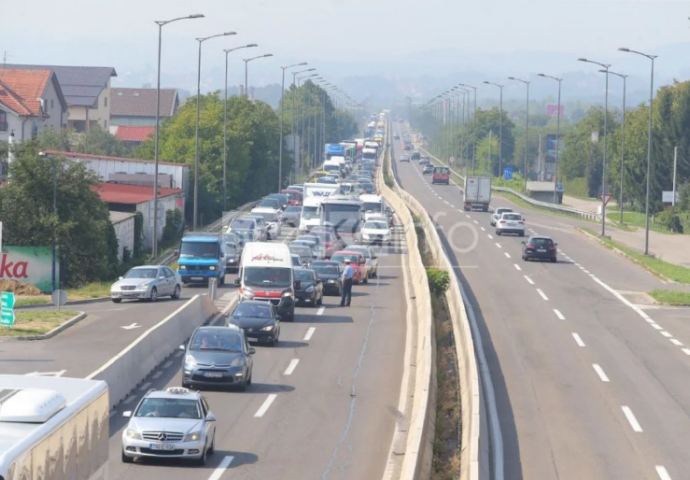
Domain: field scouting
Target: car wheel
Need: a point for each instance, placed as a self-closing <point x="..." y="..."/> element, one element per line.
<point x="212" y="448"/>
<point x="249" y="380"/>
<point x="126" y="459"/>
<point x="243" y="386"/>
<point x="117" y="300"/>
<point x="154" y="294"/>
<point x="366" y="279"/>
<point x="201" y="461"/>
<point x="522" y="234"/>
<point x="186" y="385"/>
<point x="222" y="280"/>
<point x="554" y="260"/>
<point x="176" y="293"/>
<point x="524" y="259"/>
<point x="498" y="232"/>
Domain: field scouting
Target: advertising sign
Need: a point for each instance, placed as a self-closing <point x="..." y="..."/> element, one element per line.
<point x="551" y="147"/>
<point x="32" y="265"/>
<point x="552" y="110"/>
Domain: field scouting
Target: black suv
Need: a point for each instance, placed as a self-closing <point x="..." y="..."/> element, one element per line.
<point x="539" y="248"/>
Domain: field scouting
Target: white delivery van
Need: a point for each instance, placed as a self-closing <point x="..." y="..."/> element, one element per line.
<point x="331" y="166"/>
<point x="311" y="214"/>
<point x="319" y="190"/>
<point x="266" y="275"/>
<point x="372" y="205"/>
<point x="369" y="154"/>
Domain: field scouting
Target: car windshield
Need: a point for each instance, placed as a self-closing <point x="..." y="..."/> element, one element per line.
<point x="326" y="269"/>
<point x="199" y="249"/>
<point x="169" y="408"/>
<point x="363" y="250"/>
<point x="310" y="212"/>
<point x="231" y="248"/>
<point x="376" y="225"/>
<point x="253" y="310"/>
<point x="545" y="242"/>
<point x="268" y="217"/>
<point x="511" y="216"/>
<point x="142" y="273"/>
<point x="341" y="258"/>
<point x="219" y="340"/>
<point x="270" y="203"/>
<point x="267" y="277"/>
<point x="372" y="206"/>
<point x="281" y="197"/>
<point x="308" y="238"/>
<point x="242" y="224"/>
<point x="245" y="234"/>
<point x="503" y="210"/>
<point x="293" y="209"/>
<point x="304" y="275"/>
<point x="296" y="262"/>
<point x="301" y="250"/>
<point x="441" y="170"/>
<point x="292" y="195"/>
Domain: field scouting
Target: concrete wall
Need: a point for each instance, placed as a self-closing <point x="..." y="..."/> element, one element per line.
<point x="124" y="232"/>
<point x="146" y="209"/>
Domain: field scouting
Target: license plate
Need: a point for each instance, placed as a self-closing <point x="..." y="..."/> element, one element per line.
<point x="512" y="224"/>
<point x="161" y="446"/>
<point x="252" y="339"/>
<point x="541" y="250"/>
<point x="197" y="278"/>
<point x="213" y="374"/>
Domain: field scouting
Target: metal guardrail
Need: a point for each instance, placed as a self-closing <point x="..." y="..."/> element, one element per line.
<point x="535" y="203"/>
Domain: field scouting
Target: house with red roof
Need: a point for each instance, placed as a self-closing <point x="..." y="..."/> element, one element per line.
<point x="133" y="135"/>
<point x="30" y="101"/>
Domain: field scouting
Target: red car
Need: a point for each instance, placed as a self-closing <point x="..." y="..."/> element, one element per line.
<point x="294" y="196"/>
<point x="356" y="260"/>
<point x="441" y="175"/>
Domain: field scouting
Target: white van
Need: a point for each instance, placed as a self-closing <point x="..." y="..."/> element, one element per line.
<point x="311" y="213"/>
<point x="266" y="275"/>
<point x="372" y="205"/>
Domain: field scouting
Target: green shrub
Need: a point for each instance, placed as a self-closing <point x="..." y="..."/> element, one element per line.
<point x="575" y="187"/>
<point x="670" y="220"/>
<point x="439" y="280"/>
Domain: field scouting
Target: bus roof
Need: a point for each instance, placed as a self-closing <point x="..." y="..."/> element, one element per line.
<point x="25" y="398"/>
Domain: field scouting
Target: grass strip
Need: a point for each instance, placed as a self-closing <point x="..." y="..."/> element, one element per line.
<point x="37" y="322"/>
<point x="670" y="297"/>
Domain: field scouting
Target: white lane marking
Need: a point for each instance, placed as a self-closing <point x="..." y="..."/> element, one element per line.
<point x="309" y="334"/>
<point x="129" y="399"/>
<point x="498" y="245"/>
<point x="451" y="205"/>
<point x="543" y="295"/>
<point x="663" y="474"/>
<point x="600" y="372"/>
<point x="145" y="386"/>
<point x="167" y="364"/>
<point x="656" y="325"/>
<point x="686" y="351"/>
<point x="467" y="216"/>
<point x="506" y="254"/>
<point x="631" y="418"/>
<point x="666" y="334"/>
<point x="529" y="280"/>
<point x="585" y="270"/>
<point x="517" y="267"/>
<point x="558" y="314"/>
<point x="291" y="367"/>
<point x="577" y="264"/>
<point x="483" y="229"/>
<point x="676" y="342"/>
<point x="220" y="469"/>
<point x="320" y="310"/>
<point x="476" y="222"/>
<point x="490" y="237"/>
<point x="446" y="201"/>
<point x="578" y="340"/>
<point x="157" y="374"/>
<point x="265" y="406"/>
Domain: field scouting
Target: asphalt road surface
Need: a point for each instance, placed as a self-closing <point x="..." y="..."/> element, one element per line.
<point x="591" y="380"/>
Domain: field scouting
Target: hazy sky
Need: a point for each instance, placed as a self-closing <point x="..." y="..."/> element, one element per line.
<point x="121" y="33"/>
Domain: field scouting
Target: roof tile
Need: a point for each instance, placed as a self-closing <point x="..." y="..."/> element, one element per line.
<point x="130" y="194"/>
<point x="20" y="90"/>
<point x="141" y="102"/>
<point x="129" y="133"/>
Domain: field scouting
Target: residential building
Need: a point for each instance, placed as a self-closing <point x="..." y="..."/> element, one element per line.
<point x="133" y="135"/>
<point x="134" y="198"/>
<point x="123" y="223"/>
<point x="86" y="90"/>
<point x="137" y="106"/>
<point x="30" y="101"/>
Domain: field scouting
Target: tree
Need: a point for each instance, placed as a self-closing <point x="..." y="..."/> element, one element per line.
<point x="86" y="239"/>
<point x="100" y="142"/>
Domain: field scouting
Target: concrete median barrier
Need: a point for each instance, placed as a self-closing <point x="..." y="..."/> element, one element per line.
<point x="131" y="366"/>
<point x="475" y="430"/>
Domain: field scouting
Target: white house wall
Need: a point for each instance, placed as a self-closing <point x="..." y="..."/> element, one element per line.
<point x="124" y="231"/>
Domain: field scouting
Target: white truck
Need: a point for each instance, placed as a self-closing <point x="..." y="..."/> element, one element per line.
<point x="477" y="193"/>
<point x="320" y="190"/>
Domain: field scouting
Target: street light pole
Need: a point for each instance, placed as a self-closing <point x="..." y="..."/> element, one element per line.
<point x="295" y="145"/>
<point x="603" y="170"/>
<point x="526" y="83"/>
<point x="500" y="127"/>
<point x="474" y="122"/>
<point x="246" y="71"/>
<point x="620" y="201"/>
<point x="558" y="135"/>
<point x="196" y="135"/>
<point x="649" y="143"/>
<point x="282" y="113"/>
<point x="161" y="24"/>
<point x="225" y="125"/>
<point x="55" y="214"/>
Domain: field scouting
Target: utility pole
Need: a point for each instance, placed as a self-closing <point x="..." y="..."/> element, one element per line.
<point x="675" y="165"/>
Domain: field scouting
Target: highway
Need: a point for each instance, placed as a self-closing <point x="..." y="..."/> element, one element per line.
<point x="322" y="403"/>
<point x="590" y="380"/>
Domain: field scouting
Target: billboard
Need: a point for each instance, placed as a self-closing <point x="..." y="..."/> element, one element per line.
<point x="551" y="147"/>
<point x="553" y="110"/>
<point x="32" y="265"/>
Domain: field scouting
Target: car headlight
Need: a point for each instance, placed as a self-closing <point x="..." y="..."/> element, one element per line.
<point x="133" y="434"/>
<point x="238" y="362"/>
<point x="310" y="289"/>
<point x="211" y="267"/>
<point x="287" y="294"/>
<point x="144" y="286"/>
<point x="267" y="328"/>
<point x="182" y="267"/>
<point x="192" y="437"/>
<point x="190" y="360"/>
<point x="331" y="281"/>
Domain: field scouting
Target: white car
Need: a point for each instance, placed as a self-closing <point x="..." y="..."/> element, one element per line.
<point x="272" y="219"/>
<point x="497" y="214"/>
<point x="376" y="231"/>
<point x="511" y="222"/>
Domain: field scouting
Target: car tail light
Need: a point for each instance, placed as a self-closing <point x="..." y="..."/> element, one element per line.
<point x="502" y="221"/>
<point x="552" y="247"/>
<point x="521" y="222"/>
<point x="529" y="245"/>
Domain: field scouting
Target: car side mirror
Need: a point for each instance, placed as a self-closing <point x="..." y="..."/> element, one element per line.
<point x="555" y="244"/>
<point x="251" y="350"/>
<point x="127" y="414"/>
<point x="176" y="253"/>
<point x="237" y="281"/>
<point x="182" y="347"/>
<point x="522" y="242"/>
<point x="162" y="277"/>
<point x="210" y="417"/>
<point x="120" y="278"/>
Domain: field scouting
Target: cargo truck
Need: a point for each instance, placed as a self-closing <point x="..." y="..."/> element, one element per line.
<point x="477" y="193"/>
<point x="319" y="190"/>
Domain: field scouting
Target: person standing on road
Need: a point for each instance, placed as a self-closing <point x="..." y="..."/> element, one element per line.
<point x="348" y="278"/>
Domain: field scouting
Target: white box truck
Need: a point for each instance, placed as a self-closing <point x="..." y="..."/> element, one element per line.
<point x="320" y="190"/>
<point x="477" y="193"/>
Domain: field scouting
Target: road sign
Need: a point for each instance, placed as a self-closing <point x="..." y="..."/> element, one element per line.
<point x="559" y="187"/>
<point x="667" y="196"/>
<point x="607" y="198"/>
<point x="7" y="309"/>
<point x="59" y="298"/>
<point x="508" y="173"/>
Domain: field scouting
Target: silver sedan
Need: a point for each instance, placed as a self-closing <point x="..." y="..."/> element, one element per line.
<point x="147" y="282"/>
